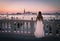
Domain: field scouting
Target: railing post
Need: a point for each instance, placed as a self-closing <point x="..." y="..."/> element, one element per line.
<point x="53" y="29"/>
<point x="23" y="27"/>
<point x="12" y="26"/>
<point x="4" y="26"/>
<point x="16" y="27"/>
<point x="27" y="26"/>
<point x="32" y="26"/>
<point x="0" y="26"/>
<point x="20" y="26"/>
<point x="7" y="27"/>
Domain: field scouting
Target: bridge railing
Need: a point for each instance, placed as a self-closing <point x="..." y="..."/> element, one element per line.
<point x="17" y="26"/>
<point x="28" y="27"/>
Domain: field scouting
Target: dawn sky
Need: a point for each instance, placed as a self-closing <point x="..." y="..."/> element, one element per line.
<point x="29" y="5"/>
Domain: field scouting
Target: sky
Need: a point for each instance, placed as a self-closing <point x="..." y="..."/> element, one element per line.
<point x="45" y="6"/>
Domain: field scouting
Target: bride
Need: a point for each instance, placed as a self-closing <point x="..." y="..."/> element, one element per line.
<point x="39" y="30"/>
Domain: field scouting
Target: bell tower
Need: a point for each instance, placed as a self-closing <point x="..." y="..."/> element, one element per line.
<point x="24" y="10"/>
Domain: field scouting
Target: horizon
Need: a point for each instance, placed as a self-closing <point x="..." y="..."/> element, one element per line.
<point x="14" y="6"/>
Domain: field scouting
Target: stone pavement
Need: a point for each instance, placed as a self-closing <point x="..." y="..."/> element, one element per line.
<point x="18" y="37"/>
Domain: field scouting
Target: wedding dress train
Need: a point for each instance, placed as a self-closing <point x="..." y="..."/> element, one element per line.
<point x="39" y="30"/>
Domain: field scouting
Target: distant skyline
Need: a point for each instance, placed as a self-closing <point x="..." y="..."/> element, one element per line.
<point x="13" y="6"/>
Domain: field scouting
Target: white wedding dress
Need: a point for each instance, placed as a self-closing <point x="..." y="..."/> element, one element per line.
<point x="39" y="30"/>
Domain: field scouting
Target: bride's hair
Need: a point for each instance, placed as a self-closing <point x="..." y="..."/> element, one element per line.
<point x="39" y="17"/>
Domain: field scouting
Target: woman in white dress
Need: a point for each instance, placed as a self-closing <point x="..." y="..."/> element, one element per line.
<point x="39" y="30"/>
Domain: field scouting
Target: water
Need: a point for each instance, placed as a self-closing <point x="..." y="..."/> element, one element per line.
<point x="28" y="17"/>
